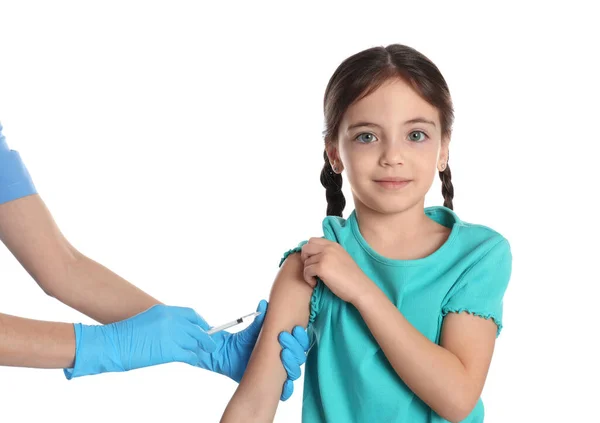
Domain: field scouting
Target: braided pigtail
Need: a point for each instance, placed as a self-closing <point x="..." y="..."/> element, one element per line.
<point x="333" y="189"/>
<point x="447" y="188"/>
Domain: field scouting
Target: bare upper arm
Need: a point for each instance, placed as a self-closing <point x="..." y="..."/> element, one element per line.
<point x="289" y="305"/>
<point x="29" y="231"/>
<point x="472" y="340"/>
<point x="257" y="395"/>
<point x="290" y="296"/>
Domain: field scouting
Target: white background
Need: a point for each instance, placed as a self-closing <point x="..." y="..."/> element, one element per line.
<point x="180" y="145"/>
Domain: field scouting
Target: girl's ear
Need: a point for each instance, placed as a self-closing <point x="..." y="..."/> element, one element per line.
<point x="444" y="155"/>
<point x="334" y="157"/>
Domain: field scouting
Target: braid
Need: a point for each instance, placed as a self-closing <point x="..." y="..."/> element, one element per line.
<point x="447" y="188"/>
<point x="333" y="189"/>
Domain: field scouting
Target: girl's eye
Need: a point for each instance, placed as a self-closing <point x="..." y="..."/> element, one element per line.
<point x="366" y="138"/>
<point x="414" y="136"/>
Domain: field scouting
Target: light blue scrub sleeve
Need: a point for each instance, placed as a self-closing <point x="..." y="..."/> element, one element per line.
<point x="15" y="181"/>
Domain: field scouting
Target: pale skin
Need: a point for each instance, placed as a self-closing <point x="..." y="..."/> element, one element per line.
<point x="256" y="398"/>
<point x="383" y="135"/>
<point x="29" y="231"/>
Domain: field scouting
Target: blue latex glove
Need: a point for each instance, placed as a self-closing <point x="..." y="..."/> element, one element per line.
<point x="293" y="355"/>
<point x="233" y="351"/>
<point x="164" y="334"/>
<point x="159" y="335"/>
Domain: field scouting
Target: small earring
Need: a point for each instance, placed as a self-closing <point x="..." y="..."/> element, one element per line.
<point x="443" y="166"/>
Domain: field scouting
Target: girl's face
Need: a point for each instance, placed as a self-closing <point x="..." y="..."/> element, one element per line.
<point x="390" y="145"/>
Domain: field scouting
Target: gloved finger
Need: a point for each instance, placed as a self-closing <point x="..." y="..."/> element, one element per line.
<point x="187" y="342"/>
<point x="190" y="315"/>
<point x="262" y="307"/>
<point x="291" y="364"/>
<point x="301" y="336"/>
<point x="289" y="342"/>
<point x="186" y="356"/>
<point x="288" y="390"/>
<point x="259" y="320"/>
<point x="205" y="341"/>
<point x="250" y="334"/>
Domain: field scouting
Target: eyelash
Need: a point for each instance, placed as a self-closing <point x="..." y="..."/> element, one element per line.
<point x="369" y="133"/>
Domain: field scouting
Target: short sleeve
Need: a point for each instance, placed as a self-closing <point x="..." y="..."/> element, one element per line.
<point x="317" y="295"/>
<point x="481" y="289"/>
<point x="15" y="181"/>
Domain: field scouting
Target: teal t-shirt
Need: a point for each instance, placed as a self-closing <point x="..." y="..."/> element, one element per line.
<point x="15" y="181"/>
<point x="348" y="378"/>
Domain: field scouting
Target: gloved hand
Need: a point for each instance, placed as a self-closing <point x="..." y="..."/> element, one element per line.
<point x="164" y="334"/>
<point x="295" y="346"/>
<point x="159" y="335"/>
<point x="233" y="351"/>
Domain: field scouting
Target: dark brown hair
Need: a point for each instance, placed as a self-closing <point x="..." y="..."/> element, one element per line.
<point x="360" y="75"/>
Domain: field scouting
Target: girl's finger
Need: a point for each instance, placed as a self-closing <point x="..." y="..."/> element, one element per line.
<point x="309" y="275"/>
<point x="313" y="259"/>
<point x="319" y="241"/>
<point x="309" y="250"/>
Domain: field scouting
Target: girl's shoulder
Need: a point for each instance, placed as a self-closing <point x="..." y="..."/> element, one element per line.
<point x="469" y="231"/>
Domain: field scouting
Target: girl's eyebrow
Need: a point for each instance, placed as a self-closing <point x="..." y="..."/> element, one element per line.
<point x="420" y="120"/>
<point x="410" y="121"/>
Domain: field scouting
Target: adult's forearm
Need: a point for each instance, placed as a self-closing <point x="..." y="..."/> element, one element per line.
<point x="35" y="343"/>
<point x="98" y="292"/>
<point x="31" y="234"/>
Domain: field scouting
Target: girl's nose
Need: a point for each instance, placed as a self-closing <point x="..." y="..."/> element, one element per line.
<point x="392" y="153"/>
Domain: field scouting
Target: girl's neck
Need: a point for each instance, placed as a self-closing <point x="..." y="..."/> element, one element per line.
<point x="399" y="227"/>
<point x="407" y="235"/>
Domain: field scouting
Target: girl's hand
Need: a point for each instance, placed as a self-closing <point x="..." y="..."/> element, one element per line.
<point x="329" y="262"/>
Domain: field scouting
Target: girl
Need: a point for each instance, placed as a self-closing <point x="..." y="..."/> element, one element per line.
<point x="403" y="302"/>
